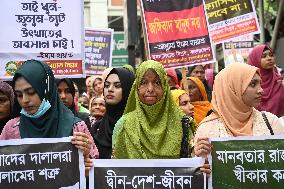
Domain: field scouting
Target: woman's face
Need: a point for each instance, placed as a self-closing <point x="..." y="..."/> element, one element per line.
<point x="252" y="94"/>
<point x="98" y="86"/>
<point x="98" y="107"/>
<point x="184" y="104"/>
<point x="112" y="90"/>
<point x="150" y="90"/>
<point x="84" y="101"/>
<point x="65" y="94"/>
<point x="198" y="72"/>
<point x="194" y="92"/>
<point x="27" y="96"/>
<point x="267" y="60"/>
<point x="5" y="106"/>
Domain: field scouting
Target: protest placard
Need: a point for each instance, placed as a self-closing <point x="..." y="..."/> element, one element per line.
<point x="176" y="32"/>
<point x="248" y="162"/>
<point x="41" y="163"/>
<point x="146" y="174"/>
<point x="98" y="50"/>
<point x="47" y="30"/>
<point x="230" y="18"/>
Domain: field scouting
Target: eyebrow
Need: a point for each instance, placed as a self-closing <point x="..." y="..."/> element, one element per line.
<point x="116" y="82"/>
<point x="25" y="90"/>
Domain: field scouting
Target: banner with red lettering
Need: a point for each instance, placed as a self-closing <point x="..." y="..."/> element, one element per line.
<point x="176" y="32"/>
<point x="46" y="30"/>
<point x="230" y="18"/>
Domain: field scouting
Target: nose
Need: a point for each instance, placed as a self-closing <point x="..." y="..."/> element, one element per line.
<point x="150" y="87"/>
<point x="62" y="95"/>
<point x="191" y="107"/>
<point x="25" y="98"/>
<point x="260" y="90"/>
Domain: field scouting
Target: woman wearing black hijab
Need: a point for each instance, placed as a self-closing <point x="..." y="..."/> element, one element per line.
<point x="116" y="90"/>
<point x="66" y="91"/>
<point x="43" y="114"/>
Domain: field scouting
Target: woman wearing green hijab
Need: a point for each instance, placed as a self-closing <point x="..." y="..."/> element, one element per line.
<point x="151" y="125"/>
<point x="43" y="114"/>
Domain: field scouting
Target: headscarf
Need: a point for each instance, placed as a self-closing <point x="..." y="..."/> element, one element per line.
<point x="93" y="82"/>
<point x="150" y="132"/>
<point x="176" y="94"/>
<point x="82" y="115"/>
<point x="205" y="82"/>
<point x="7" y="90"/>
<point x="102" y="130"/>
<point x="273" y="91"/>
<point x="229" y="86"/>
<point x="58" y="121"/>
<point x="201" y="108"/>
<point x="172" y="73"/>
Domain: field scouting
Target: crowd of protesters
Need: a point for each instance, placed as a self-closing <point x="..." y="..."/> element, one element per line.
<point x="136" y="114"/>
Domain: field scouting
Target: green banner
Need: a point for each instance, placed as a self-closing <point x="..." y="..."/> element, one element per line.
<point x="248" y="163"/>
<point x="119" y="53"/>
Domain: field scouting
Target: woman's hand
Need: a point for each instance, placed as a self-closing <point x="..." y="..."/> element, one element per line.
<point x="206" y="169"/>
<point x="88" y="165"/>
<point x="202" y="147"/>
<point x="82" y="142"/>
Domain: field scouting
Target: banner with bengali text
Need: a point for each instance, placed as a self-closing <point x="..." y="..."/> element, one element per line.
<point x="176" y="32"/>
<point x="242" y="46"/>
<point x="247" y="162"/>
<point x="230" y="18"/>
<point x="46" y="30"/>
<point x="98" y="50"/>
<point x="146" y="174"/>
<point x="41" y="163"/>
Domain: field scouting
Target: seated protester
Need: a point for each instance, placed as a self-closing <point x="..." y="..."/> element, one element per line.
<point x="172" y="78"/>
<point x="66" y="93"/>
<point x="6" y="103"/>
<point x="199" y="72"/>
<point x="116" y="90"/>
<point x="97" y="109"/>
<point x="236" y="115"/>
<point x="43" y="114"/>
<point x="198" y="98"/>
<point x="98" y="86"/>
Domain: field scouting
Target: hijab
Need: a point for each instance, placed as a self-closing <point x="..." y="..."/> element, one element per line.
<point x="149" y="132"/>
<point x="273" y="91"/>
<point x="58" y="121"/>
<point x="173" y="75"/>
<point x="82" y="115"/>
<point x="229" y="86"/>
<point x="201" y="108"/>
<point x="177" y="93"/>
<point x="7" y="90"/>
<point x="205" y="82"/>
<point x="103" y="129"/>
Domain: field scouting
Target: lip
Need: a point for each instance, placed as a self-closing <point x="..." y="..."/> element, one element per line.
<point x="191" y="114"/>
<point x="28" y="108"/>
<point x="109" y="96"/>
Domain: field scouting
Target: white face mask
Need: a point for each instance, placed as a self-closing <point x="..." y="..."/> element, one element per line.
<point x="45" y="105"/>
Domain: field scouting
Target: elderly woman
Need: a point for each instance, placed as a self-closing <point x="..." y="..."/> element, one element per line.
<point x="151" y="125"/>
<point x="236" y="92"/>
<point x="97" y="109"/>
<point x="6" y="103"/>
<point x="272" y="99"/>
<point x="43" y="114"/>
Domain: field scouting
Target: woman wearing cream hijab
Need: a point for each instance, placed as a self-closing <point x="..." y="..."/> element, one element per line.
<point x="236" y="92"/>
